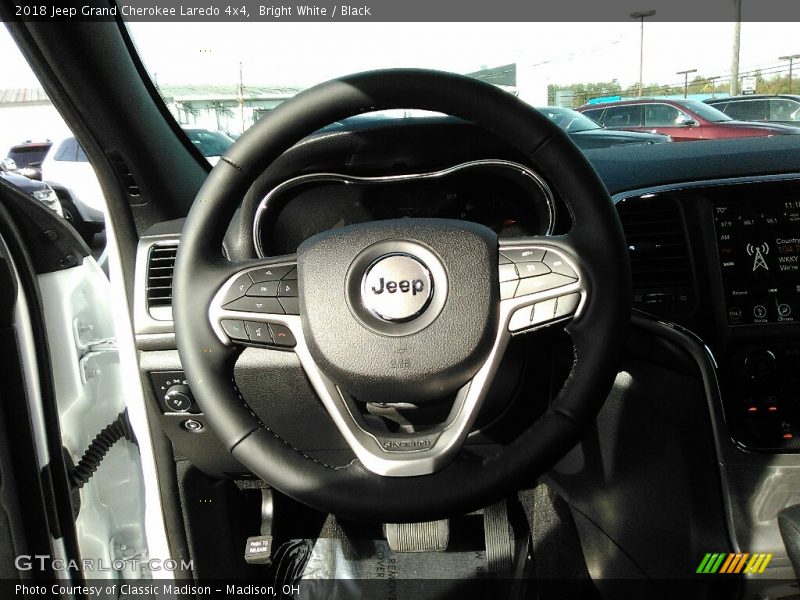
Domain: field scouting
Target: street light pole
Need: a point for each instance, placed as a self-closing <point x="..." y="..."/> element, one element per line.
<point x="791" y="59"/>
<point x="686" y="80"/>
<point x="641" y="15"/>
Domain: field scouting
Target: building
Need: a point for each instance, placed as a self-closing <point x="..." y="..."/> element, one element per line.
<point x="224" y="108"/>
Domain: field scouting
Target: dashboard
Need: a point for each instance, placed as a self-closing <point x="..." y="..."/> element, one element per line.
<point x="712" y="238"/>
<point x="730" y="252"/>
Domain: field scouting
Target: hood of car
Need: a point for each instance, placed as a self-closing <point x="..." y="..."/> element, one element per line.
<point x="22" y="182"/>
<point x="776" y="127"/>
<point x="605" y="138"/>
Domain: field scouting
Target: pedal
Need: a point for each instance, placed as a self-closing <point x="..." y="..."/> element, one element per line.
<point x="258" y="550"/>
<point x="499" y="538"/>
<point x="430" y="536"/>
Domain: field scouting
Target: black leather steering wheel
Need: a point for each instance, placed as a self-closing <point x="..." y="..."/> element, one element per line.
<point x="411" y="311"/>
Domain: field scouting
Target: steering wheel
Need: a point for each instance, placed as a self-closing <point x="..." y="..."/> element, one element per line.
<point x="410" y="311"/>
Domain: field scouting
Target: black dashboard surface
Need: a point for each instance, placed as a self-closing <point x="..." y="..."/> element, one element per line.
<point x="666" y="196"/>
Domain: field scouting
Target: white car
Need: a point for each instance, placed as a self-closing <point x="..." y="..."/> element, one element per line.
<point x="67" y="165"/>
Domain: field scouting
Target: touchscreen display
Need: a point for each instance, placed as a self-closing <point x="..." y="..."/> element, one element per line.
<point x="759" y="251"/>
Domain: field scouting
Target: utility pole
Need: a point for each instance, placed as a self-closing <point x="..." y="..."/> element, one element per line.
<point x="686" y="80"/>
<point x="641" y="15"/>
<point x="737" y="33"/>
<point x="791" y="59"/>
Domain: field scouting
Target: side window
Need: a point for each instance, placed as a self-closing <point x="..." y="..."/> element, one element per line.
<point x="783" y="109"/>
<point x="67" y="151"/>
<point x="596" y="114"/>
<point x="80" y="154"/>
<point x="623" y="116"/>
<point x="723" y="106"/>
<point x="749" y="110"/>
<point x="663" y="115"/>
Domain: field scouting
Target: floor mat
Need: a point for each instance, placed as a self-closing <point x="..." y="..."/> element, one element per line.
<point x="336" y="569"/>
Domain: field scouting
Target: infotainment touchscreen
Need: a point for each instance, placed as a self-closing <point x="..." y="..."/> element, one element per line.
<point x="758" y="241"/>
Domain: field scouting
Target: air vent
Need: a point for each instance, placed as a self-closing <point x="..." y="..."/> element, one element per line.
<point x="124" y="173"/>
<point x="661" y="265"/>
<point x="160" y="265"/>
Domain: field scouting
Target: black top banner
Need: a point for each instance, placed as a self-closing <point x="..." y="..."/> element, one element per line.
<point x="600" y="11"/>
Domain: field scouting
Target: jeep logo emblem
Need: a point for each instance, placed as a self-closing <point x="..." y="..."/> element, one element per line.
<point x="397" y="287"/>
<point x="404" y="286"/>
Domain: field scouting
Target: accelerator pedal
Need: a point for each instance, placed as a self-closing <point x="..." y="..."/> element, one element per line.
<point x="499" y="538"/>
<point x="430" y="536"/>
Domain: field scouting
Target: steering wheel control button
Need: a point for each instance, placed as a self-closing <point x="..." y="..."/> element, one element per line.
<point x="235" y="329"/>
<point x="532" y="269"/>
<point x="508" y="272"/>
<point x="567" y="305"/>
<point x="271" y="273"/>
<point x="507" y="289"/>
<point x="544" y="311"/>
<point x="397" y="288"/>
<point x="558" y="265"/>
<point x="238" y="289"/>
<point x="258" y="332"/>
<point x="282" y="336"/>
<point x="521" y="319"/>
<point x="532" y="285"/>
<point x="256" y="305"/>
<point x="268" y="289"/>
<point x="287" y="288"/>
<point x="290" y="305"/>
<point x="522" y="255"/>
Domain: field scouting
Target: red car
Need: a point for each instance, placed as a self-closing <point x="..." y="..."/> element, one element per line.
<point x="682" y="119"/>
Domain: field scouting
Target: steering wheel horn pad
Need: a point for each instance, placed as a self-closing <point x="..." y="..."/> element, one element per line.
<point x="401" y="362"/>
<point x="458" y="350"/>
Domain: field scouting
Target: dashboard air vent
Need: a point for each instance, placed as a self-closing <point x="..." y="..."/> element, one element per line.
<point x="661" y="264"/>
<point x="160" y="265"/>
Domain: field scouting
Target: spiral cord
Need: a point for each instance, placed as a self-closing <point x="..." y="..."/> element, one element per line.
<point x="101" y="444"/>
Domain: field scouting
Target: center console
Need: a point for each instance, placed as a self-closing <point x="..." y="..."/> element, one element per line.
<point x="757" y="236"/>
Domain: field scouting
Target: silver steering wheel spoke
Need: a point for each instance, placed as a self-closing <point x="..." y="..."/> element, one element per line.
<point x="540" y="285"/>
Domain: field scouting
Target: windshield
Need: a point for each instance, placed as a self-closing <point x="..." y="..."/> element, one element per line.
<point x="223" y="77"/>
<point x="707" y="112"/>
<point x="570" y="121"/>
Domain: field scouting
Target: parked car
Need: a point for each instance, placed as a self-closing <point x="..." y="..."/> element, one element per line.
<point x="681" y="118"/>
<point x="782" y="108"/>
<point x="28" y="157"/>
<point x="587" y="134"/>
<point x="212" y="144"/>
<point x="67" y="166"/>
<point x="37" y="189"/>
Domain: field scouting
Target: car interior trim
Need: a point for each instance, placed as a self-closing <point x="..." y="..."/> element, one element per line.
<point x="706" y="183"/>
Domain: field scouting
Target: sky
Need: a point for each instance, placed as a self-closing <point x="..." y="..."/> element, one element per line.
<point x="307" y="53"/>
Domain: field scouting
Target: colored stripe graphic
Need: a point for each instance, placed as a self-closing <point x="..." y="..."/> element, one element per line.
<point x="727" y="564"/>
<point x="732" y="563"/>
